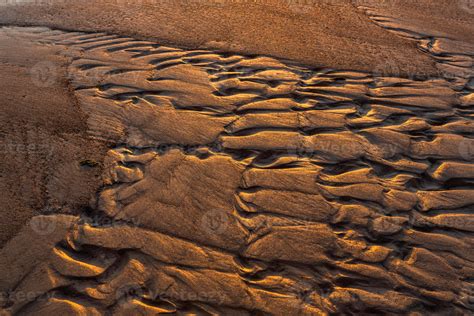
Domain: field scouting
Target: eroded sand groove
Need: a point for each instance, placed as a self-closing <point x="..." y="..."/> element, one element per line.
<point x="333" y="191"/>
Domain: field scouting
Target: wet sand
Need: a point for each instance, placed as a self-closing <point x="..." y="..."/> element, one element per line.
<point x="241" y="180"/>
<point x="328" y="33"/>
<point x="43" y="137"/>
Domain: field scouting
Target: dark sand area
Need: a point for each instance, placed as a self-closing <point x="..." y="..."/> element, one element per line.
<point x="43" y="137"/>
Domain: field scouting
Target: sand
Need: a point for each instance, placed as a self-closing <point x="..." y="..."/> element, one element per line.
<point x="328" y="33"/>
<point x="43" y="137"/>
<point x="163" y="177"/>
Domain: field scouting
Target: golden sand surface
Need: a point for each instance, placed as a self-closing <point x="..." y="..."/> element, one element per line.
<point x="200" y="158"/>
